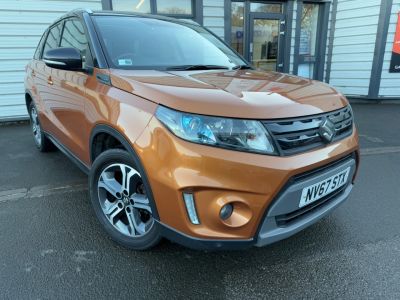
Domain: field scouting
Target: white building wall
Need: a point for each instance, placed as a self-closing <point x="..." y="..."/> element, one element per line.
<point x="22" y="22"/>
<point x="327" y="40"/>
<point x="390" y="83"/>
<point x="213" y="13"/>
<point x="354" y="45"/>
<point x="293" y="39"/>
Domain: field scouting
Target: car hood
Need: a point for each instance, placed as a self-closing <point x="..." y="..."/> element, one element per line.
<point x="239" y="94"/>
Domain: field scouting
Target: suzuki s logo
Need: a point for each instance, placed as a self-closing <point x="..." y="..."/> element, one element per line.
<point x="327" y="131"/>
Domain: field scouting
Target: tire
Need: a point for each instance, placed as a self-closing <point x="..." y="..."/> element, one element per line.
<point x="41" y="140"/>
<point x="121" y="206"/>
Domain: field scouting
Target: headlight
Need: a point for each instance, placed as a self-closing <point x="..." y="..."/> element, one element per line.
<point x="235" y="134"/>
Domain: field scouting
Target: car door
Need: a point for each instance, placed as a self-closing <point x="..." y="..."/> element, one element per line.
<point x="32" y="70"/>
<point x="66" y="101"/>
<point x="40" y="74"/>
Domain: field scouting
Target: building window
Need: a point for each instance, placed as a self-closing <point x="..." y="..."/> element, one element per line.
<point x="266" y="8"/>
<point x="175" y="7"/>
<point x="237" y="32"/>
<point x="308" y="39"/>
<point x="178" y="8"/>
<point x="141" y="6"/>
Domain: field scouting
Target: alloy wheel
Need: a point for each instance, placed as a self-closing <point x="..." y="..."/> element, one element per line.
<point x="123" y="200"/>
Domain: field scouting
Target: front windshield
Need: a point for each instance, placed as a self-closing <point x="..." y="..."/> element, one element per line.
<point x="144" y="43"/>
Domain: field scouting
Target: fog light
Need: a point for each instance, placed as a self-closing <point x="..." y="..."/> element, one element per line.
<point x="191" y="208"/>
<point x="226" y="211"/>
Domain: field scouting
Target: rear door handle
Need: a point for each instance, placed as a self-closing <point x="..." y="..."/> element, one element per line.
<point x="50" y="80"/>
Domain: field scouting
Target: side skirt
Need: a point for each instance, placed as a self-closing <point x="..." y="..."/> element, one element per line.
<point x="81" y="165"/>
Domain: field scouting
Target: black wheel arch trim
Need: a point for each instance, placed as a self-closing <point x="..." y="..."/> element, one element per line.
<point x="28" y="92"/>
<point x="102" y="128"/>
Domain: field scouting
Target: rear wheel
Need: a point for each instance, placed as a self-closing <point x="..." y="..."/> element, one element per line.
<point x="41" y="141"/>
<point x="119" y="198"/>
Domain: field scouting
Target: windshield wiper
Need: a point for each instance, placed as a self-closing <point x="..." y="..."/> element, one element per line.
<point x="242" y="67"/>
<point x="197" y="67"/>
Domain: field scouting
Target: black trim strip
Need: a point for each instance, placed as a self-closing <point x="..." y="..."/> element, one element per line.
<point x="103" y="78"/>
<point x="203" y="244"/>
<point x="81" y="165"/>
<point x="99" y="59"/>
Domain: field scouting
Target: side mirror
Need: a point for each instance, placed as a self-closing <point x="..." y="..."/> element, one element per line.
<point x="63" y="58"/>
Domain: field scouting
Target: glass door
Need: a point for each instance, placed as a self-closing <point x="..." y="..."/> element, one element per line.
<point x="266" y="36"/>
<point x="258" y="32"/>
<point x="309" y="33"/>
<point x="265" y="44"/>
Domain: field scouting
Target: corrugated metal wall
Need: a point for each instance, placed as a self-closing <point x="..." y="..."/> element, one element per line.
<point x="293" y="40"/>
<point x="213" y="13"/>
<point x="390" y="83"/>
<point x="22" y="23"/>
<point x="327" y="41"/>
<point x="354" y="45"/>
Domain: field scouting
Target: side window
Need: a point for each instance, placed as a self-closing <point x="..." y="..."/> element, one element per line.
<point x="53" y="37"/>
<point x="39" y="48"/>
<point x="74" y="36"/>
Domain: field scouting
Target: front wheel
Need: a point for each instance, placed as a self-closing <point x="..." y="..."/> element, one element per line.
<point x="119" y="198"/>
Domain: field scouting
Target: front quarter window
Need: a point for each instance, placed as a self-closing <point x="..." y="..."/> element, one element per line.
<point x="53" y="38"/>
<point x="147" y="43"/>
<point x="39" y="48"/>
<point x="74" y="36"/>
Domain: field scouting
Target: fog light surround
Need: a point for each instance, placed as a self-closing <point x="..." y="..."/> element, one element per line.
<point x="233" y="212"/>
<point x="191" y="208"/>
<point x="226" y="211"/>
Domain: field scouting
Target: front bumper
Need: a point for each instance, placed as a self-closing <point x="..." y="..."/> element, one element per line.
<point x="263" y="188"/>
<point x="283" y="219"/>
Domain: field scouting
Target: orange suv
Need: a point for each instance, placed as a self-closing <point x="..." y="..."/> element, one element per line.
<point x="182" y="138"/>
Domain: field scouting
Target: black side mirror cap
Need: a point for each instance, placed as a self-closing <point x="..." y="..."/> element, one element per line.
<point x="63" y="58"/>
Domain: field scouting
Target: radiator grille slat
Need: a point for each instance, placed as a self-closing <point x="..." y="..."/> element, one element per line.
<point x="299" y="135"/>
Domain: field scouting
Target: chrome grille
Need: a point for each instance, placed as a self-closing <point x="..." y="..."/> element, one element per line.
<point x="298" y="135"/>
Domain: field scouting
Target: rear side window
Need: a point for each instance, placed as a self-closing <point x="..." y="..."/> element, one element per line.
<point x="74" y="37"/>
<point x="39" y="48"/>
<point x="53" y="38"/>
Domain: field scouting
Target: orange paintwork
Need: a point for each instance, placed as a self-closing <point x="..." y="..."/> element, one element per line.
<point x="238" y="94"/>
<point x="76" y="102"/>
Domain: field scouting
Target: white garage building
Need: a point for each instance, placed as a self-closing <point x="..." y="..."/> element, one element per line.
<point x="347" y="43"/>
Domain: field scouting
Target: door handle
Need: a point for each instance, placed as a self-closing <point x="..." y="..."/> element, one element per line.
<point x="50" y="80"/>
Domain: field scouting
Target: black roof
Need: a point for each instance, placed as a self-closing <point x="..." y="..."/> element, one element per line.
<point x="80" y="11"/>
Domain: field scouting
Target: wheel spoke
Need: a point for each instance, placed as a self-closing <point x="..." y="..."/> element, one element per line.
<point x="110" y="185"/>
<point x="141" y="202"/>
<point x="123" y="179"/>
<point x="135" y="223"/>
<point x="113" y="210"/>
<point x="126" y="177"/>
<point x="130" y="214"/>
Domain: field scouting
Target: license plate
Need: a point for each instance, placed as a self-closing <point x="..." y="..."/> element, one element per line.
<point x="325" y="187"/>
